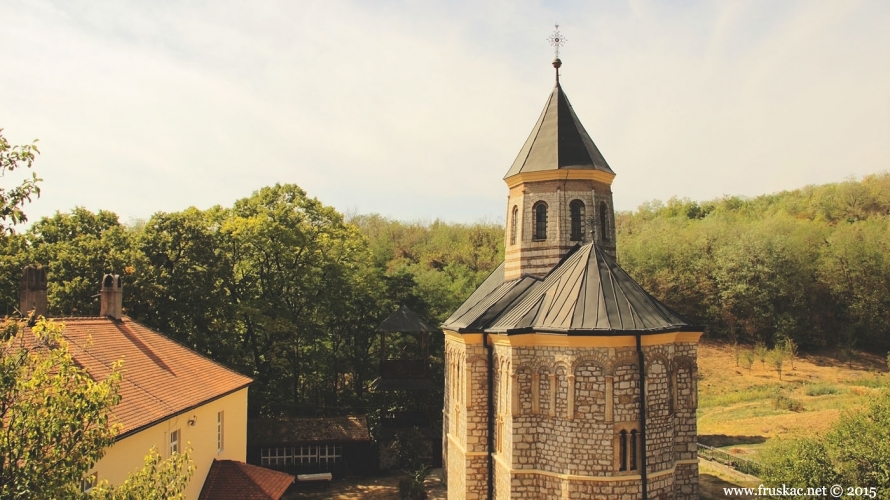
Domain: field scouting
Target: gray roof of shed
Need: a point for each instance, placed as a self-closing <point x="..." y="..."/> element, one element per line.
<point x="558" y="141"/>
<point x="405" y="320"/>
<point x="586" y="294"/>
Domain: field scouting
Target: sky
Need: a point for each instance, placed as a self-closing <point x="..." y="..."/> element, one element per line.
<point x="416" y="110"/>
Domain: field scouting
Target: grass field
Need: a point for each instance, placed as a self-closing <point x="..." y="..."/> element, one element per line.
<point x="740" y="411"/>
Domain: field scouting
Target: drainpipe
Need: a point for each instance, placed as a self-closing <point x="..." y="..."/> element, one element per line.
<point x="487" y="344"/>
<point x="642" y="359"/>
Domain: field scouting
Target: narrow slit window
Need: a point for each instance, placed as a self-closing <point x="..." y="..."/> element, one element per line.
<point x="622" y="451"/>
<point x="540" y="221"/>
<point x="576" y="212"/>
<point x="514" y="225"/>
<point x="604" y="221"/>
<point x="633" y="449"/>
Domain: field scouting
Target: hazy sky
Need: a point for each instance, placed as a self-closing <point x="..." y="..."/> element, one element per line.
<point x="417" y="109"/>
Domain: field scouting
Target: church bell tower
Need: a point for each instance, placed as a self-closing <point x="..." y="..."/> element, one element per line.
<point x="560" y="192"/>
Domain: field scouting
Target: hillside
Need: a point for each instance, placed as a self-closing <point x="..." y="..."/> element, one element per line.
<point x="741" y="410"/>
<point x="811" y="264"/>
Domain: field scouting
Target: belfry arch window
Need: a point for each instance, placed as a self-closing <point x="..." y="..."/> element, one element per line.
<point x="514" y="224"/>
<point x="576" y="213"/>
<point x="540" y="229"/>
<point x="604" y="216"/>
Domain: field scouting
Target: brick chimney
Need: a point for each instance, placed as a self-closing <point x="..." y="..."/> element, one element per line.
<point x="111" y="297"/>
<point x="33" y="291"/>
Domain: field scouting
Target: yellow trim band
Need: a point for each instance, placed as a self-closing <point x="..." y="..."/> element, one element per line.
<point x="565" y="174"/>
<point x="464" y="450"/>
<point x="604" y="479"/>
<point x="546" y="340"/>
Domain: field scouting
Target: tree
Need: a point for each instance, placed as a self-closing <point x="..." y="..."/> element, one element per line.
<point x="790" y="349"/>
<point x="761" y="352"/>
<point x="12" y="200"/>
<point x="56" y="418"/>
<point x="855" y="452"/>
<point x="748" y="358"/>
<point x="159" y="479"/>
<point x="776" y="358"/>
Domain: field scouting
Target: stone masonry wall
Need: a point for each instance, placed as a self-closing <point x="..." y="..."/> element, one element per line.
<point x="540" y="427"/>
<point x="530" y="256"/>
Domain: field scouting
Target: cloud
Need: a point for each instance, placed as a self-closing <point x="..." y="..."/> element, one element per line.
<point x="417" y="109"/>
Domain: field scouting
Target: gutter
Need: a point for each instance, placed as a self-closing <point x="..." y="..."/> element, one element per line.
<point x="642" y="359"/>
<point x="490" y="376"/>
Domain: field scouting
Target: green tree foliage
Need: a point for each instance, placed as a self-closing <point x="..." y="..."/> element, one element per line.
<point x="55" y="417"/>
<point x="761" y="353"/>
<point x="77" y="248"/>
<point x="159" y="479"/>
<point x="809" y="265"/>
<point x="12" y="200"/>
<point x="747" y="359"/>
<point x="776" y="360"/>
<point x="854" y="453"/>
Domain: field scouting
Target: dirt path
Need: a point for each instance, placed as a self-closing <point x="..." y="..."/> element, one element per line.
<point x="378" y="488"/>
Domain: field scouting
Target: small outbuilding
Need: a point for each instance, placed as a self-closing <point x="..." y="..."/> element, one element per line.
<point x="309" y="445"/>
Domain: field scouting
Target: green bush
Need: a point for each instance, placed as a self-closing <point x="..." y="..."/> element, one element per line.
<point x="854" y="453"/>
<point x="821" y="389"/>
<point x="784" y="402"/>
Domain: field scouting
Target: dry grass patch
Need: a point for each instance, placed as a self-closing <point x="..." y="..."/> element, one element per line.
<point x="737" y="402"/>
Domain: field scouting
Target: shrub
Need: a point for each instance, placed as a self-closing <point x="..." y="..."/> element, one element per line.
<point x="747" y="359"/>
<point x="761" y="352"/>
<point x="784" y="402"/>
<point x="821" y="389"/>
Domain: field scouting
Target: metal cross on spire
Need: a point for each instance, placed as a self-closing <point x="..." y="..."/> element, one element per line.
<point x="556" y="40"/>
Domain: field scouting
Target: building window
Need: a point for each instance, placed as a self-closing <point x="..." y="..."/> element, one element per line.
<point x="329" y="454"/>
<point x="627" y="449"/>
<point x="540" y="230"/>
<point x="514" y="224"/>
<point x="604" y="220"/>
<point x="305" y="455"/>
<point x="622" y="451"/>
<point x="276" y="456"/>
<point x="576" y="211"/>
<point x="174" y="442"/>
<point x="220" y="419"/>
<point x="633" y="450"/>
<point x="89" y="482"/>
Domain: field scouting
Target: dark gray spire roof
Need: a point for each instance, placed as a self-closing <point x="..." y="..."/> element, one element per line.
<point x="586" y="294"/>
<point x="558" y="141"/>
<point x="405" y="320"/>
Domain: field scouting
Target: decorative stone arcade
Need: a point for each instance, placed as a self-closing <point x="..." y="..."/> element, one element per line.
<point x="564" y="378"/>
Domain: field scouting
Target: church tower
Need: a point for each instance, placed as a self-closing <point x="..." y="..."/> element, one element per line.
<point x="560" y="192"/>
<point x="564" y="378"/>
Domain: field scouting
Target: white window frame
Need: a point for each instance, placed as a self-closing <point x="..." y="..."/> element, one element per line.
<point x="173" y="444"/>
<point x="89" y="482"/>
<point x="330" y="454"/>
<point x="220" y="431"/>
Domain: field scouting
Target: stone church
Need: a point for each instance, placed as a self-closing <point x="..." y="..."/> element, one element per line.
<point x="564" y="378"/>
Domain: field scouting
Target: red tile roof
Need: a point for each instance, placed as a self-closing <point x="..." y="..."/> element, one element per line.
<point x="161" y="377"/>
<point x="232" y="480"/>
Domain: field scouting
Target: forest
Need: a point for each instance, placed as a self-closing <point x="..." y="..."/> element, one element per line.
<point x="289" y="291"/>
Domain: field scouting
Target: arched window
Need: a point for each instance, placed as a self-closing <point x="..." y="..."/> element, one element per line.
<point x="622" y="451"/>
<point x="633" y="449"/>
<point x="603" y="221"/>
<point x="540" y="230"/>
<point x="576" y="212"/>
<point x="514" y="225"/>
